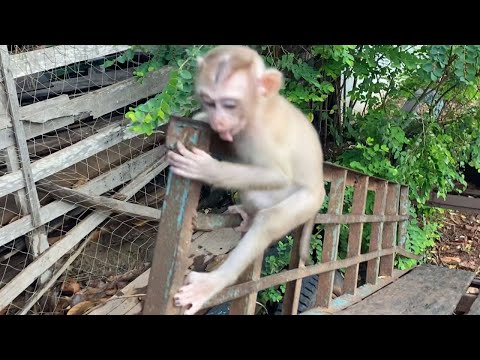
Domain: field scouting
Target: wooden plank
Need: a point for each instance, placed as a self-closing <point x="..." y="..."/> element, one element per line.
<point x="426" y="290"/>
<point x="299" y="254"/>
<point x="7" y="137"/>
<point x="355" y="234"/>
<point x="389" y="235"/>
<point x="82" y="199"/>
<point x="456" y="202"/>
<point x="42" y="111"/>
<point x="42" y="263"/>
<point x="31" y="62"/>
<point x="137" y="168"/>
<point x="377" y="230"/>
<point x="4" y="115"/>
<point x="332" y="234"/>
<point x="37" y="240"/>
<point x="82" y="83"/>
<point x="246" y="304"/>
<point x="69" y="156"/>
<point x="475" y="308"/>
<point x="169" y="263"/>
<point x="344" y="301"/>
<point x="98" y="102"/>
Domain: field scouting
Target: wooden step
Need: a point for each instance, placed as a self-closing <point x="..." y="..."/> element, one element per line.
<point x="426" y="290"/>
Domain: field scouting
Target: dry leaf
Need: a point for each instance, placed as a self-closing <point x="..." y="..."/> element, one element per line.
<point x="70" y="287"/>
<point x="81" y="308"/>
<point x="450" y="260"/>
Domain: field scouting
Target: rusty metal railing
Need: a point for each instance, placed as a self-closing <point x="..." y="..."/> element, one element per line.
<point x="179" y="218"/>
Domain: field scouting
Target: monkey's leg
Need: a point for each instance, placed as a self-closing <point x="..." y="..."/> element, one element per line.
<point x="268" y="225"/>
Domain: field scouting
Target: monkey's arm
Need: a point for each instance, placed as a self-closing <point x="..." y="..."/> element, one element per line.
<point x="198" y="165"/>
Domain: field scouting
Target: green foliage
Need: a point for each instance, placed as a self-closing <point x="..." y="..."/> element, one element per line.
<point x="422" y="145"/>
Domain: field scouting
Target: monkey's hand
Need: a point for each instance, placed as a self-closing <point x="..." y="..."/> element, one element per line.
<point x="238" y="209"/>
<point x="195" y="164"/>
<point x="198" y="289"/>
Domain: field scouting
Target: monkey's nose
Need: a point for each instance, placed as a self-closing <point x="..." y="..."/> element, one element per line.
<point x="220" y="126"/>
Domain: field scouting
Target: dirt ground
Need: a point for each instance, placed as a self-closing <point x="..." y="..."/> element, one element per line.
<point x="459" y="246"/>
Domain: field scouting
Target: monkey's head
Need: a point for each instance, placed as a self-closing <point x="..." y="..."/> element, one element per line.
<point x="232" y="81"/>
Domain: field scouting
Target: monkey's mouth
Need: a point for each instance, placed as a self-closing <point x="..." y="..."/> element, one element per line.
<point x="226" y="135"/>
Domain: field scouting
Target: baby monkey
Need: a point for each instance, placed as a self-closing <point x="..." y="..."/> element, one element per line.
<point x="279" y="173"/>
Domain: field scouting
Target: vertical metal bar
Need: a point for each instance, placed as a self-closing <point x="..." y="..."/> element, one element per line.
<point x="389" y="230"/>
<point x="332" y="234"/>
<point x="246" y="304"/>
<point x="403" y="210"/>
<point x="169" y="264"/>
<point x="298" y="257"/>
<point x="377" y="230"/>
<point x="355" y="234"/>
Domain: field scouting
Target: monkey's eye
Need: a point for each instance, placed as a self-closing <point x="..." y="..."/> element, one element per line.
<point x="209" y="104"/>
<point x="229" y="105"/>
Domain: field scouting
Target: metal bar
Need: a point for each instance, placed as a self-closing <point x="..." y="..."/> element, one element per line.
<point x="236" y="291"/>
<point x="389" y="229"/>
<point x="298" y="257"/>
<point x="246" y="304"/>
<point x="169" y="263"/>
<point x="210" y="222"/>
<point x="355" y="234"/>
<point x="332" y="234"/>
<point x="377" y="229"/>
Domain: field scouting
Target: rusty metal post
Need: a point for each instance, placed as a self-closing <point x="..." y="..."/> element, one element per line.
<point x="298" y="257"/>
<point x="389" y="235"/>
<point x="332" y="235"/>
<point x="175" y="229"/>
<point x="355" y="233"/>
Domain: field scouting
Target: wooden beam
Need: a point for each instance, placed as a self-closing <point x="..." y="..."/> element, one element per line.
<point x="19" y="283"/>
<point x="49" y="165"/>
<point x="31" y="62"/>
<point x="98" y="102"/>
<point x="144" y="167"/>
<point x="80" y="198"/>
<point x="30" y="202"/>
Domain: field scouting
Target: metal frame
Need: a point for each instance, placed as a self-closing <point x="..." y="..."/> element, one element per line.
<point x="179" y="217"/>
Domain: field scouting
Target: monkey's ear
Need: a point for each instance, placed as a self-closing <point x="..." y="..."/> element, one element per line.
<point x="271" y="81"/>
<point x="200" y="61"/>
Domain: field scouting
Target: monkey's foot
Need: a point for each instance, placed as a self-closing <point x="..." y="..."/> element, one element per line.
<point x="238" y="209"/>
<point x="199" y="288"/>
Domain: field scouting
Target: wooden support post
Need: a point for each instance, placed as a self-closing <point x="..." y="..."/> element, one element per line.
<point x="28" y="200"/>
<point x="169" y="263"/>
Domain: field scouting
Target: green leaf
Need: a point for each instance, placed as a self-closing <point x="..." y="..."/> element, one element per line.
<point x="185" y="74"/>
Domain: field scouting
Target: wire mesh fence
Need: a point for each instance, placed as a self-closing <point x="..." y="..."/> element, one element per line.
<point x="68" y="169"/>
